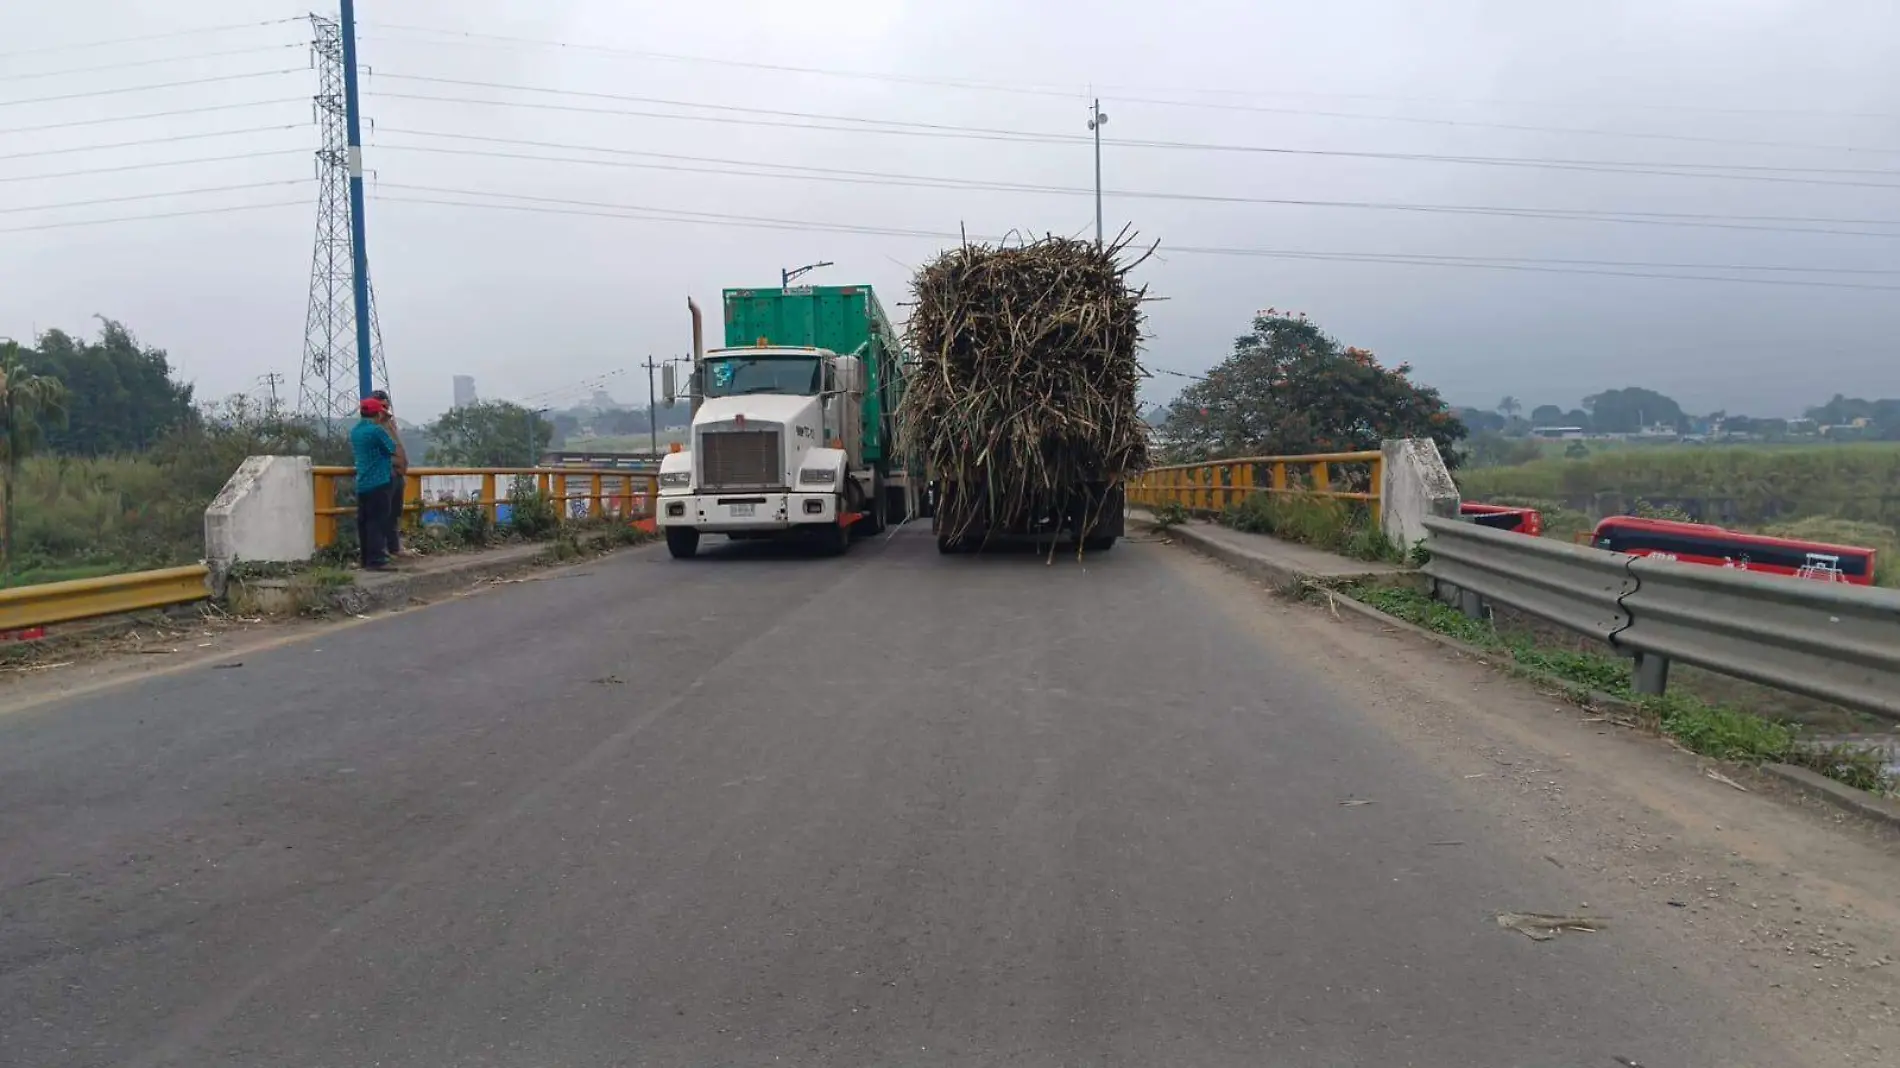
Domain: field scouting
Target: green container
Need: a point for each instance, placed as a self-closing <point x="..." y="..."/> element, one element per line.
<point x="847" y="320"/>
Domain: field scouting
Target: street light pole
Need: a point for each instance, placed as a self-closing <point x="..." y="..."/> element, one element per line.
<point x="785" y="276"/>
<point x="1097" y="120"/>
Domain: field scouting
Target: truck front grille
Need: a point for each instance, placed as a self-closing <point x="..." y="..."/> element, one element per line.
<point x="740" y="460"/>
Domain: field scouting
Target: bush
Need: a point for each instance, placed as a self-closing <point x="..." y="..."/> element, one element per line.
<point x="1322" y="522"/>
<point x="536" y="514"/>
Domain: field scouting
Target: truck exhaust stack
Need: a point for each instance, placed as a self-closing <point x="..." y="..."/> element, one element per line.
<point x="699" y="353"/>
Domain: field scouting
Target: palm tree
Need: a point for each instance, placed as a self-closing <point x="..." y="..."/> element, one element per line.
<point x="1509" y="406"/>
<point x="28" y="403"/>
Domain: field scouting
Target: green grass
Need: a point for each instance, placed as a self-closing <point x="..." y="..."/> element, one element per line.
<point x="1322" y="522"/>
<point x="1710" y="729"/>
<point x="1765" y="483"/>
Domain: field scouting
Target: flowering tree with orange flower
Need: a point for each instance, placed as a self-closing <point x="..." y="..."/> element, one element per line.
<point x="1288" y="388"/>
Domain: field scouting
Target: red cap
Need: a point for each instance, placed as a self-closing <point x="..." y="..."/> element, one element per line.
<point x="372" y="406"/>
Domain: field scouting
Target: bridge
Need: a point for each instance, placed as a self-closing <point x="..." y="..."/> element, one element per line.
<point x="901" y="808"/>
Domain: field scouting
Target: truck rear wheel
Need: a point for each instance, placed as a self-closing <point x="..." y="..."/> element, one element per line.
<point x="682" y="542"/>
<point x="1098" y="543"/>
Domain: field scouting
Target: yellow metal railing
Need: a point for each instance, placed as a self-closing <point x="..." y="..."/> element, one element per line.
<point x="608" y="491"/>
<point x="107" y="595"/>
<point x="1216" y="485"/>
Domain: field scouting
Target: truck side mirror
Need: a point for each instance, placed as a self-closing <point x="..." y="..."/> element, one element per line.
<point x="669" y="387"/>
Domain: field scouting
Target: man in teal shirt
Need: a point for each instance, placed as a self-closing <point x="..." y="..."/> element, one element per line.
<point x="375" y="453"/>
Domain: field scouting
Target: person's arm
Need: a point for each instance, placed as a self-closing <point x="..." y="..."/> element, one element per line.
<point x="401" y="462"/>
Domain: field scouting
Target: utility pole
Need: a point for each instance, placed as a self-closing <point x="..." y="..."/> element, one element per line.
<point x="359" y="251"/>
<point x="534" y="421"/>
<point x="653" y="408"/>
<point x="271" y="381"/>
<point x="1097" y="120"/>
<point x="785" y="276"/>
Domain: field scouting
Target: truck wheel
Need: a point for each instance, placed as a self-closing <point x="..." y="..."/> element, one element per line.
<point x="948" y="545"/>
<point x="834" y="540"/>
<point x="682" y="542"/>
<point x="1099" y="543"/>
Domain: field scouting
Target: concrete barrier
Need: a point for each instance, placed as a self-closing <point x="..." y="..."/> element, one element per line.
<point x="266" y="512"/>
<point x="1417" y="484"/>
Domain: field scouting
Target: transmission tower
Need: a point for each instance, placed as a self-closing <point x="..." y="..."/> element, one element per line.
<point x="328" y="393"/>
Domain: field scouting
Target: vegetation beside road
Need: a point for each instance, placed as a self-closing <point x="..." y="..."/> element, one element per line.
<point x="1711" y="729"/>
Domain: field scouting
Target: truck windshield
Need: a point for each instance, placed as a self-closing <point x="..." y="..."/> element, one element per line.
<point x="735" y="376"/>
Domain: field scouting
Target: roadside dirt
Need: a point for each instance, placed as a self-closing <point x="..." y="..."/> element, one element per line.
<point x="1787" y="903"/>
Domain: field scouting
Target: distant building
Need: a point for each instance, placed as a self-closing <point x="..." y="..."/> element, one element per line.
<point x="464" y="390"/>
<point x="1557" y="433"/>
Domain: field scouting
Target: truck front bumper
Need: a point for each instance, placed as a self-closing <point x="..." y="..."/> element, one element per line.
<point x="747" y="513"/>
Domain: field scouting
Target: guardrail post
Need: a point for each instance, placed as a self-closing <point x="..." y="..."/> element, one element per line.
<point x="323" y="488"/>
<point x="1279" y="476"/>
<point x="411" y="499"/>
<point x="1245" y="479"/>
<point x="560" y="495"/>
<point x="594" y="508"/>
<point x="1322" y="479"/>
<point x="1650" y="675"/>
<point x="1471" y="603"/>
<point x="489" y="503"/>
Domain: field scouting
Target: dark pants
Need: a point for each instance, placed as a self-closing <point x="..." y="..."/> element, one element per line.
<point x="392" y="537"/>
<point x="372" y="525"/>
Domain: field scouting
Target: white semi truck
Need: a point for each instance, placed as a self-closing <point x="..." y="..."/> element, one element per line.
<point x="793" y="428"/>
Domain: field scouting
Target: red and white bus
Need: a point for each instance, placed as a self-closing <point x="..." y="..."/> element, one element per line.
<point x="1699" y="543"/>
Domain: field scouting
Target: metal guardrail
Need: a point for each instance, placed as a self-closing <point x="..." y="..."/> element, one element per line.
<point x="1215" y="485"/>
<point x="608" y="491"/>
<point x="108" y="595"/>
<point x="1829" y="641"/>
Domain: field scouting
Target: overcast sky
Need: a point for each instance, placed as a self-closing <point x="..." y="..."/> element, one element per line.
<point x="1788" y="110"/>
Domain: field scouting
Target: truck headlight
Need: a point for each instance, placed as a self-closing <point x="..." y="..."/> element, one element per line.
<point x="675" y="479"/>
<point x="818" y="476"/>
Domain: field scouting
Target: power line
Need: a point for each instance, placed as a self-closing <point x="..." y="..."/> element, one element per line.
<point x="158" y="215"/>
<point x="154" y="85"/>
<point x="154" y="141"/>
<point x="853" y="176"/>
<point x="156" y="114"/>
<point x="557" y="205"/>
<point x="159" y="163"/>
<point x="197" y="32"/>
<point x="153" y="196"/>
<point x="150" y="62"/>
<point x="1751" y="173"/>
<point x="1078" y="92"/>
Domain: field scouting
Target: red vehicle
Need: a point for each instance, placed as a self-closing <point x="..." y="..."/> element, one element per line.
<point x="1497" y="517"/>
<point x="1698" y="543"/>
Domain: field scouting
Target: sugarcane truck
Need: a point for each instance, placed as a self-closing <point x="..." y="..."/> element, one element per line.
<point x="793" y="423"/>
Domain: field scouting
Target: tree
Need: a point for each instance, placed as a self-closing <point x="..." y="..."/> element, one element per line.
<point x="1547" y="415"/>
<point x="1627" y="411"/>
<point x="1480" y="421"/>
<point x="121" y="396"/>
<point x="29" y="403"/>
<point x="1510" y="406"/>
<point x="488" y="434"/>
<point x="1288" y="388"/>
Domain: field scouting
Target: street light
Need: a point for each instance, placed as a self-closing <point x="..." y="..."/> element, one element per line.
<point x="785" y="276"/>
<point x="1097" y="120"/>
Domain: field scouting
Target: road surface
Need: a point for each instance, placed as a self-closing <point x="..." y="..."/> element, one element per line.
<point x="760" y="808"/>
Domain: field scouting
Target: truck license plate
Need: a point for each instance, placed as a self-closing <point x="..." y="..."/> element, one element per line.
<point x="742" y="511"/>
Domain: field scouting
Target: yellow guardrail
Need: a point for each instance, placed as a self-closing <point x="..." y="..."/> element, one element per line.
<point x="607" y="491"/>
<point x="108" y="595"/>
<point x="1215" y="485"/>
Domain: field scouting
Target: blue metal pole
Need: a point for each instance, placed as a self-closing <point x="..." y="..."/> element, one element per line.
<point x="359" y="253"/>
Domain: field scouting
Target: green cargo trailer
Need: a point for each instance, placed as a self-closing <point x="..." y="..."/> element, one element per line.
<point x="849" y="321"/>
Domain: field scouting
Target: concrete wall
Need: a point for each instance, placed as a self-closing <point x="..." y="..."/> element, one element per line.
<point x="265" y="512"/>
<point x="1417" y="484"/>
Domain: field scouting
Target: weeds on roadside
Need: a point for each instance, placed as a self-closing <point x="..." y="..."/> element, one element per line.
<point x="1322" y="522"/>
<point x="1711" y="730"/>
<point x="1170" y="514"/>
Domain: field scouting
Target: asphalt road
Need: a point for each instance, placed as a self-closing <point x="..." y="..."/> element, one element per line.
<point x="757" y="808"/>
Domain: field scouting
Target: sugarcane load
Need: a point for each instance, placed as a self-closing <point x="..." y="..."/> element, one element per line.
<point x="1023" y="403"/>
